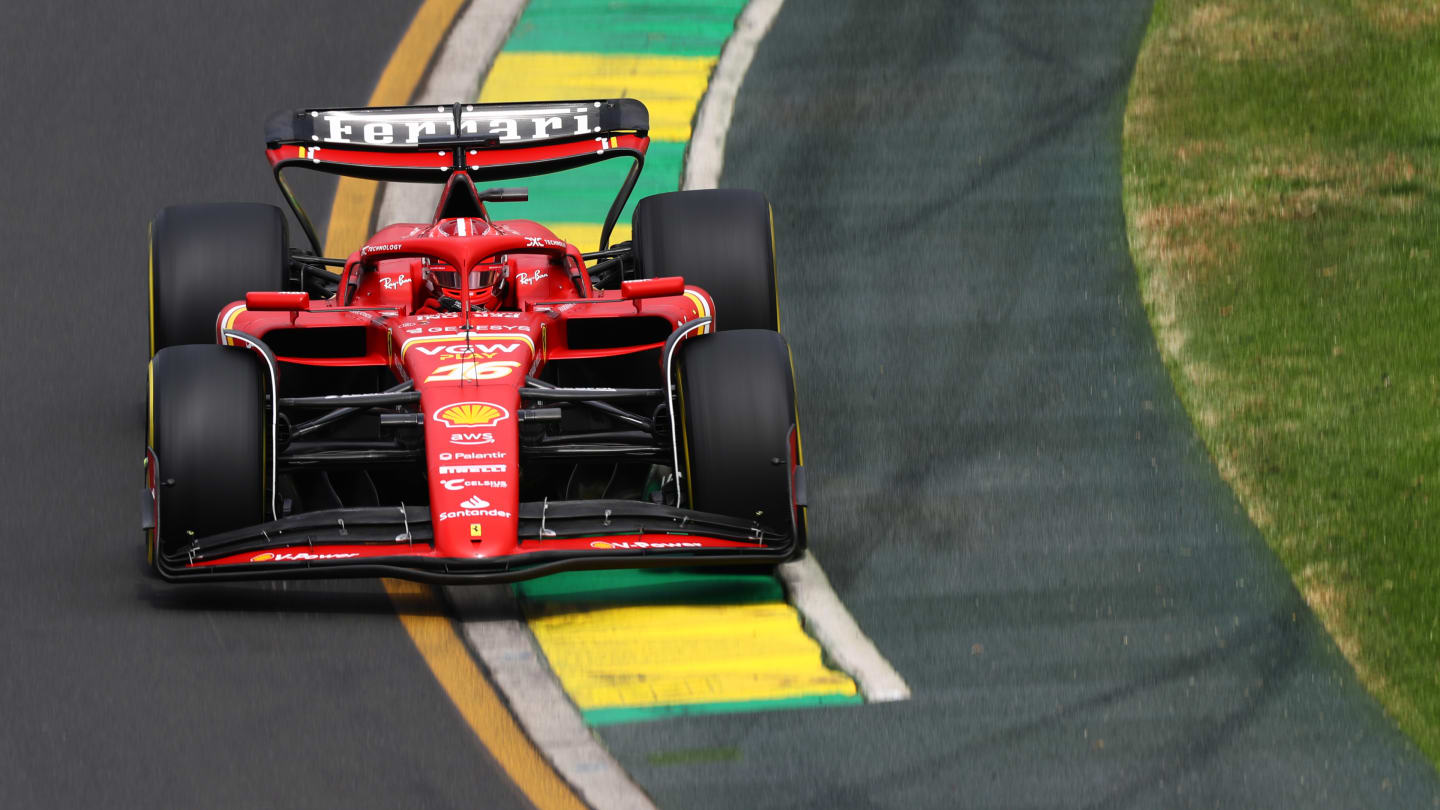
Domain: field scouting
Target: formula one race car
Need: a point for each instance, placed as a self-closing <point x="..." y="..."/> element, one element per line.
<point x="469" y="399"/>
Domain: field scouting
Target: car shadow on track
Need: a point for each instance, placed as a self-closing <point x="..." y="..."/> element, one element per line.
<point x="287" y="597"/>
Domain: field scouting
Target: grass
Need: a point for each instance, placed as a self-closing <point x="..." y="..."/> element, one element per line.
<point x="1281" y="193"/>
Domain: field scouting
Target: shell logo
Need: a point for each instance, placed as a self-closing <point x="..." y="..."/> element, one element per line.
<point x="471" y="414"/>
<point x="266" y="557"/>
<point x="601" y="544"/>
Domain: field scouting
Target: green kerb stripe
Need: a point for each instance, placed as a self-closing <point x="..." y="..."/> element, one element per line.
<point x="640" y="714"/>
<point x="647" y="586"/>
<point x="585" y="194"/>
<point x="626" y="26"/>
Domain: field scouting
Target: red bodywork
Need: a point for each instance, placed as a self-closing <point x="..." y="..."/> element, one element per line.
<point x="471" y="382"/>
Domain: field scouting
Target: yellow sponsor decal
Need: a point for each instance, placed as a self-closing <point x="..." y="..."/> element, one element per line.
<point x="471" y="414"/>
<point x="473" y="372"/>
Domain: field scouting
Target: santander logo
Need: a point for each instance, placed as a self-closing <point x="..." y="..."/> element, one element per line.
<point x="474" y="503"/>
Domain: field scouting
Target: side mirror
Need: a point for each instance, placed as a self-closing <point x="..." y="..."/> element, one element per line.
<point x="295" y="301"/>
<point x="652" y="287"/>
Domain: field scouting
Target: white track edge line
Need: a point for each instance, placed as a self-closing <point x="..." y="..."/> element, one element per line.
<point x="705" y="155"/>
<point x="840" y="636"/>
<point x="519" y="670"/>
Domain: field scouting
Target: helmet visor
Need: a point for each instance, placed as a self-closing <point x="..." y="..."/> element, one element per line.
<point x="482" y="276"/>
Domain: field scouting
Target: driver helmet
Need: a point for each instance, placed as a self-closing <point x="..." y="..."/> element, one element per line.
<point x="487" y="283"/>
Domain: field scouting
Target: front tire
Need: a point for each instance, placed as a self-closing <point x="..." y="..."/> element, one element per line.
<point x="721" y="241"/>
<point x="202" y="257"/>
<point x="208" y="433"/>
<point x="740" y="434"/>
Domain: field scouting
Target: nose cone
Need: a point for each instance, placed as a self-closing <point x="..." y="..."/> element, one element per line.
<point x="471" y="441"/>
<point x="470" y="396"/>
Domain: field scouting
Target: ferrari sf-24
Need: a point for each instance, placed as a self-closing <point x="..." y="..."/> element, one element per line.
<point x="468" y="398"/>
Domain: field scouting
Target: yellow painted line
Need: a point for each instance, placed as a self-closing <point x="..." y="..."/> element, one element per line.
<point x="670" y="86"/>
<point x="429" y="626"/>
<point x="150" y="249"/>
<point x="355" y="199"/>
<point x="586" y="235"/>
<point x="637" y="656"/>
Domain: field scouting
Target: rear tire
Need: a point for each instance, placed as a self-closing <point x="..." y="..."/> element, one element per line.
<point x="737" y="400"/>
<point x="721" y="241"/>
<point x="202" y="257"/>
<point x="208" y="432"/>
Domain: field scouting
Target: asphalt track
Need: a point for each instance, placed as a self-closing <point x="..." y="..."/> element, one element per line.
<point x="1005" y="492"/>
<point x="115" y="690"/>
<point x="1007" y="495"/>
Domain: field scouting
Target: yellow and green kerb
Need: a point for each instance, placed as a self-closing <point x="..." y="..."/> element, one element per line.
<point x="659" y="53"/>
<point x="643" y="644"/>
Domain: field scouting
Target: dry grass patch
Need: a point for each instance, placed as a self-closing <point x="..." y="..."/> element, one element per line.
<point x="1227" y="34"/>
<point x="1403" y="17"/>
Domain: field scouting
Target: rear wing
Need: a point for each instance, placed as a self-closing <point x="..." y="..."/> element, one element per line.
<point x="426" y="144"/>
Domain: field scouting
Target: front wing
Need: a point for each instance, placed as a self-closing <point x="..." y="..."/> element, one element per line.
<point x="554" y="536"/>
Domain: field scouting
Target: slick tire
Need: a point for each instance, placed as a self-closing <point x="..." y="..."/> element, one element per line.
<point x="207" y="429"/>
<point x="737" y="408"/>
<point x="721" y="241"/>
<point x="202" y="257"/>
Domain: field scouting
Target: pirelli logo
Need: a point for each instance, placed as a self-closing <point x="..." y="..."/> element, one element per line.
<point x="463" y="469"/>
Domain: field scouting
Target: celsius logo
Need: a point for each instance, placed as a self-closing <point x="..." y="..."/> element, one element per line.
<point x="475" y="503"/>
<point x="459" y="484"/>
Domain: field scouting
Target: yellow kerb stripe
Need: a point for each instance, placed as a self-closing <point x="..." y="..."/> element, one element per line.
<point x="355" y="199"/>
<point x="670" y="86"/>
<point x="685" y="654"/>
<point x="586" y="235"/>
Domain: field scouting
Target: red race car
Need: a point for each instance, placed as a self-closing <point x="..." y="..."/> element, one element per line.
<point x="469" y="399"/>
